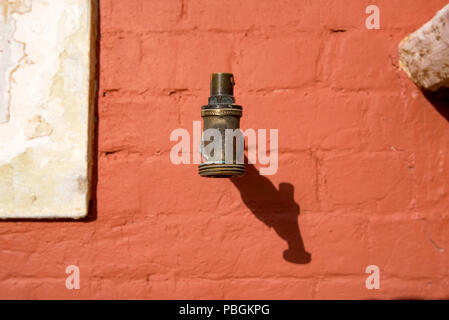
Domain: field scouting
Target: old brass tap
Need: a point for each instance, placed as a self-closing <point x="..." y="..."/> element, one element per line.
<point x="221" y="127"/>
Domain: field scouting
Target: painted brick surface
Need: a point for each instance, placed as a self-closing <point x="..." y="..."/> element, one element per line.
<point x="363" y="159"/>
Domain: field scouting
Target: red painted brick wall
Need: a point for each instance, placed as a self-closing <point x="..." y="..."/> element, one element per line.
<point x="363" y="157"/>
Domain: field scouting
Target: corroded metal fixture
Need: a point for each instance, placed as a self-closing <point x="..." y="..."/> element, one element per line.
<point x="223" y="116"/>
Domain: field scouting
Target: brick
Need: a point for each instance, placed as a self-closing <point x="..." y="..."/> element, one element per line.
<point x="139" y="129"/>
<point x="334" y="14"/>
<point x="141" y="16"/>
<point x="368" y="180"/>
<point x="158" y="62"/>
<point x="354" y="288"/>
<point x="241" y="15"/>
<point x="119" y="54"/>
<point x="123" y="172"/>
<point x="274" y="68"/>
<point x="359" y="60"/>
<point x="386" y="128"/>
<point x="405" y="249"/>
<point x="340" y="235"/>
<point x="308" y="118"/>
<point x="281" y="289"/>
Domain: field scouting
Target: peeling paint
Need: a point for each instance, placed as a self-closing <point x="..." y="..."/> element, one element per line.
<point x="12" y="51"/>
<point x="44" y="136"/>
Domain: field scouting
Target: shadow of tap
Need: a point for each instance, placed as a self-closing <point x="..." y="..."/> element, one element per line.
<point x="276" y="208"/>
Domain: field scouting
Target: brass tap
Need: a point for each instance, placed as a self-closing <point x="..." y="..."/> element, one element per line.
<point x="224" y="116"/>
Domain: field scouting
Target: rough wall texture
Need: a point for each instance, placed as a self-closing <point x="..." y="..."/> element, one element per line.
<point x="363" y="157"/>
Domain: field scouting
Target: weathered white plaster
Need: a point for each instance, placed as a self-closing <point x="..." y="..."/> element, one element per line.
<point x="45" y="107"/>
<point x="424" y="55"/>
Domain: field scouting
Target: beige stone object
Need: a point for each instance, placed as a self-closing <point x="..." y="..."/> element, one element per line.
<point x="424" y="54"/>
<point x="46" y="107"/>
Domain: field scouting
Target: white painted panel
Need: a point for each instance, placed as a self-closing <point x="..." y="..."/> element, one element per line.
<point x="45" y="108"/>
